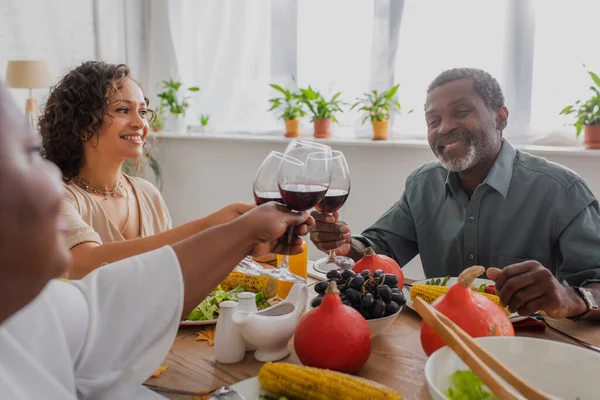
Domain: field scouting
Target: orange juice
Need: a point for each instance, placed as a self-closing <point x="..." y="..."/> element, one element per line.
<point x="298" y="266"/>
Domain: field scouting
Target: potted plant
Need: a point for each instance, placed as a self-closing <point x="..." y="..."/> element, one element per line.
<point x="171" y="100"/>
<point x="204" y="118"/>
<point x="158" y="124"/>
<point x="378" y="107"/>
<point x="293" y="110"/>
<point x="138" y="167"/>
<point x="323" y="110"/>
<point x="587" y="115"/>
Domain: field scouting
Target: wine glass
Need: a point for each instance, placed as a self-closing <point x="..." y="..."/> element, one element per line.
<point x="303" y="181"/>
<point x="265" y="186"/>
<point x="265" y="189"/>
<point x="336" y="196"/>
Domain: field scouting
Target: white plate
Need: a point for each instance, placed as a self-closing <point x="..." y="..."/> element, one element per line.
<point x="514" y="317"/>
<point x="250" y="388"/>
<point x="196" y="323"/>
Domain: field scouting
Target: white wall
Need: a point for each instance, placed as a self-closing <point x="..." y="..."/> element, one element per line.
<point x="59" y="32"/>
<point x="203" y="174"/>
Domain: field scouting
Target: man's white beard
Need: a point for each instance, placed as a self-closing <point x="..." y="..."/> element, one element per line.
<point x="460" y="164"/>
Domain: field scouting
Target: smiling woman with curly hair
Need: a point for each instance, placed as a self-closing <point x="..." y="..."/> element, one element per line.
<point x="95" y="118"/>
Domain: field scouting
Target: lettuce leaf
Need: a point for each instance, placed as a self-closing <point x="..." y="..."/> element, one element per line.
<point x="467" y="386"/>
<point x="262" y="301"/>
<point x="209" y="308"/>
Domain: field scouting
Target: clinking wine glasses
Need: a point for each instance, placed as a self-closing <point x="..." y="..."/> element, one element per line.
<point x="303" y="179"/>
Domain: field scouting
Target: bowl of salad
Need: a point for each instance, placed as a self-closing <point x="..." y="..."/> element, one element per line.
<point x="563" y="371"/>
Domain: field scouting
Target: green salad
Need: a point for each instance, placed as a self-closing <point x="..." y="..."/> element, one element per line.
<point x="467" y="386"/>
<point x="209" y="308"/>
<point x="444" y="282"/>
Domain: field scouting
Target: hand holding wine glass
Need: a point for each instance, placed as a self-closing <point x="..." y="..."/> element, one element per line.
<point x="303" y="179"/>
<point x="265" y="189"/>
<point x="268" y="225"/>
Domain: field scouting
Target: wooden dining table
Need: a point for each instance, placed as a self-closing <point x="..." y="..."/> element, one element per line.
<point x="397" y="359"/>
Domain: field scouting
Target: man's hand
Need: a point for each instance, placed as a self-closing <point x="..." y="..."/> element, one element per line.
<point x="529" y="287"/>
<point x="268" y="226"/>
<point x="330" y="234"/>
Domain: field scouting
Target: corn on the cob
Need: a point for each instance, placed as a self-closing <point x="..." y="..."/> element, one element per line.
<point x="251" y="283"/>
<point x="430" y="293"/>
<point x="301" y="382"/>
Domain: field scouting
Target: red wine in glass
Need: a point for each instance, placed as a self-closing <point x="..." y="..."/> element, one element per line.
<point x="302" y="197"/>
<point x="333" y="201"/>
<point x="261" y="198"/>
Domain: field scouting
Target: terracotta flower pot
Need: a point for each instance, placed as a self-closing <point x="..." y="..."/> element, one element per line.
<point x="380" y="130"/>
<point x="591" y="138"/>
<point x="322" y="128"/>
<point x="292" y="128"/>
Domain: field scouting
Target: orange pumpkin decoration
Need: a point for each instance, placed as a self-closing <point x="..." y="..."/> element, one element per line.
<point x="476" y="314"/>
<point x="333" y="335"/>
<point x="372" y="261"/>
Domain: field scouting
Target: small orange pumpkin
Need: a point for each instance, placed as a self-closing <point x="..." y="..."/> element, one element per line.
<point x="476" y="314"/>
<point x="372" y="261"/>
<point x="333" y="335"/>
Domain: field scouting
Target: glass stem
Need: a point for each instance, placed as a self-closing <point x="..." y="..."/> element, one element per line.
<point x="332" y="256"/>
<point x="286" y="258"/>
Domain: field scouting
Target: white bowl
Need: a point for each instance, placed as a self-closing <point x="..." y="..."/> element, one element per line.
<point x="562" y="370"/>
<point x="379" y="325"/>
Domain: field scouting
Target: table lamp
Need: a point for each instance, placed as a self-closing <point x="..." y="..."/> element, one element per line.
<point x="29" y="74"/>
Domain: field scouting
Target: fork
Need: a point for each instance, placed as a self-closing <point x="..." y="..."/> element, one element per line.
<point x="572" y="338"/>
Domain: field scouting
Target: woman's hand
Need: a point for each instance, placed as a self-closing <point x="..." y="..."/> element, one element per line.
<point x="231" y="212"/>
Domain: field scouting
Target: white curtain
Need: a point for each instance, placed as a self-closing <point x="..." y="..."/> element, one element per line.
<point x="44" y="30"/>
<point x="222" y="46"/>
<point x="386" y="32"/>
<point x="518" y="69"/>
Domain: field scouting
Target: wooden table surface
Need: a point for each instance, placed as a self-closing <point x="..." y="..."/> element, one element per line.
<point x="397" y="359"/>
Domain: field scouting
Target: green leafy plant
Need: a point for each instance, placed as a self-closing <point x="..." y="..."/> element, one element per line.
<point x="379" y="105"/>
<point x="204" y="119"/>
<point x="159" y="122"/>
<point x="170" y="98"/>
<point x="588" y="112"/>
<point x="319" y="106"/>
<point x="138" y="167"/>
<point x="292" y="108"/>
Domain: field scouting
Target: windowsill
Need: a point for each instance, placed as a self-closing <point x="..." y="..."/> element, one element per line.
<point x="277" y="137"/>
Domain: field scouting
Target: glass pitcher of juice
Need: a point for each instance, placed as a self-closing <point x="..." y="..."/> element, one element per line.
<point x="298" y="266"/>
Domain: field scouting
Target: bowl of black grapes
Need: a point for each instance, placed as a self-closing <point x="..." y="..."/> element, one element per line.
<point x="375" y="296"/>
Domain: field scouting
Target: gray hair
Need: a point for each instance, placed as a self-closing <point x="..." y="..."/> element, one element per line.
<point x="484" y="84"/>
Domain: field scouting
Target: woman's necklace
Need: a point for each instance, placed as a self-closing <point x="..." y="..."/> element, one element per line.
<point x="99" y="190"/>
<point x="88" y="187"/>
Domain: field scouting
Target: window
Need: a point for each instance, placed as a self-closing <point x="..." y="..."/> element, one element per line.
<point x="438" y="35"/>
<point x="334" y="50"/>
<point x="565" y="35"/>
<point x="232" y="50"/>
<point x="60" y="33"/>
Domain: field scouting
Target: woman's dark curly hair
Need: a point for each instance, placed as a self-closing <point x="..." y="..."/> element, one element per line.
<point x="75" y="111"/>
